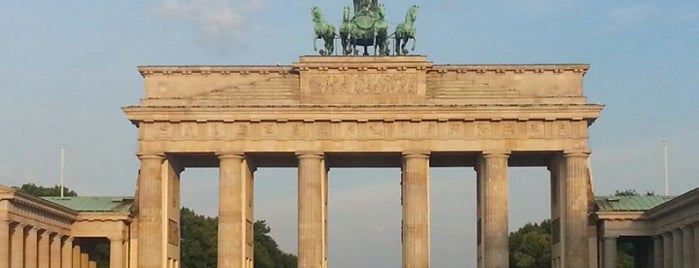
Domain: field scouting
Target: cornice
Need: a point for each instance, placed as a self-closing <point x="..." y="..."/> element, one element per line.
<point x="19" y="198"/>
<point x="219" y="70"/>
<point x="339" y="113"/>
<point x="577" y="68"/>
<point x="687" y="199"/>
<point x="104" y="217"/>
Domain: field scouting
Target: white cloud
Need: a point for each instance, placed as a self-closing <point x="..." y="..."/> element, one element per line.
<point x="214" y="20"/>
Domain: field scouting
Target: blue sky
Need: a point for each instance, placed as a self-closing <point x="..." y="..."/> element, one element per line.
<point x="67" y="67"/>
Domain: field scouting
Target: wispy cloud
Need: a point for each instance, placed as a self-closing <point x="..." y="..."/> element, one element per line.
<point x="214" y="20"/>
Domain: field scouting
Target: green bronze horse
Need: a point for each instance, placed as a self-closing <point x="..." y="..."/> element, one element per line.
<point x="345" y="30"/>
<point x="323" y="31"/>
<point x="406" y="31"/>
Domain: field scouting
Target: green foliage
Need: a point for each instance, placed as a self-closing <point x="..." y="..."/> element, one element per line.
<point x="530" y="246"/>
<point x="199" y="243"/>
<point x="267" y="252"/>
<point x="37" y="190"/>
<point x="625" y="255"/>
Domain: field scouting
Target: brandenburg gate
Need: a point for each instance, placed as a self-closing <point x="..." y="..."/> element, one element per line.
<point x="340" y="111"/>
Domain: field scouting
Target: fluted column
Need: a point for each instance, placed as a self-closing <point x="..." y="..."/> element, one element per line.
<point x="310" y="210"/>
<point x="75" y="255"/>
<point x="576" y="207"/>
<point x="688" y="250"/>
<point x="493" y="207"/>
<point x="116" y="252"/>
<point x="4" y="244"/>
<point x="67" y="253"/>
<point x="231" y="221"/>
<point x="416" y="210"/>
<point x="610" y="252"/>
<point x="85" y="260"/>
<point x="667" y="250"/>
<point x="31" y="248"/>
<point x="55" y="251"/>
<point x="150" y="210"/>
<point x="43" y="255"/>
<point x="17" y="246"/>
<point x="677" y="259"/>
<point x="658" y="251"/>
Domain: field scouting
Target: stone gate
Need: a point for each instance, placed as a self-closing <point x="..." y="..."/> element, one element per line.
<point x="325" y="112"/>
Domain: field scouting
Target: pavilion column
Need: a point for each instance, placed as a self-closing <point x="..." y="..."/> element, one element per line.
<point x="17" y="246"/>
<point x="658" y="251"/>
<point x="151" y="253"/>
<point x="116" y="252"/>
<point x="233" y="230"/>
<point x="575" y="204"/>
<point x="44" y="254"/>
<point x="696" y="244"/>
<point x="75" y="255"/>
<point x="677" y="259"/>
<point x="416" y="210"/>
<point x="31" y="248"/>
<point x="688" y="250"/>
<point x="492" y="209"/>
<point x="311" y="210"/>
<point x="667" y="250"/>
<point x="610" y="252"/>
<point x="67" y="253"/>
<point x="55" y="251"/>
<point x="84" y="260"/>
<point x="4" y="244"/>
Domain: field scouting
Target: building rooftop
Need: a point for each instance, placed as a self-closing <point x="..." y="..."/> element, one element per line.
<point x="94" y="203"/>
<point x="629" y="203"/>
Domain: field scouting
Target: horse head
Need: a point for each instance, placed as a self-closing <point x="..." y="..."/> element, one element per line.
<point x="412" y="13"/>
<point x="346" y="14"/>
<point x="317" y="15"/>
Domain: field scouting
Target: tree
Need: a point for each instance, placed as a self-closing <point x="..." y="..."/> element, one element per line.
<point x="199" y="243"/>
<point x="37" y="190"/>
<point x="530" y="246"/>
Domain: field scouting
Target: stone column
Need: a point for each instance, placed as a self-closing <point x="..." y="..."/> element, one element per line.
<point x="493" y="218"/>
<point x="4" y="244"/>
<point x="43" y="257"/>
<point x="667" y="250"/>
<point x="575" y="203"/>
<point x="610" y="252"/>
<point x="67" y="253"/>
<point x="696" y="244"/>
<point x="31" y="248"/>
<point x="116" y="252"/>
<point x="688" y="237"/>
<point x="76" y="255"/>
<point x="677" y="248"/>
<point x="85" y="260"/>
<point x="658" y="251"/>
<point x="17" y="246"/>
<point x="150" y="212"/>
<point x="416" y="210"/>
<point x="310" y="210"/>
<point x="231" y="211"/>
<point x="55" y="251"/>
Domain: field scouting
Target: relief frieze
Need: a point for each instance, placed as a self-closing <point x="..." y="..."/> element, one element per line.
<point x="365" y="130"/>
<point x="363" y="84"/>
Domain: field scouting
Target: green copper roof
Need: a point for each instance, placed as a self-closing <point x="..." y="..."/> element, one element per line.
<point x="629" y="203"/>
<point x="94" y="203"/>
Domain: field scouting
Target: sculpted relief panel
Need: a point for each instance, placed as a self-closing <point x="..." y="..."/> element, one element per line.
<point x="363" y="84"/>
<point x="365" y="130"/>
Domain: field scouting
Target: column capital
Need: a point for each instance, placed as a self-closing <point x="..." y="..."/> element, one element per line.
<point x="116" y="239"/>
<point x="416" y="154"/>
<point x="314" y="155"/>
<point x="68" y="239"/>
<point x="229" y="155"/>
<point x="150" y="155"/>
<point x="496" y="154"/>
<point x="576" y="153"/>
